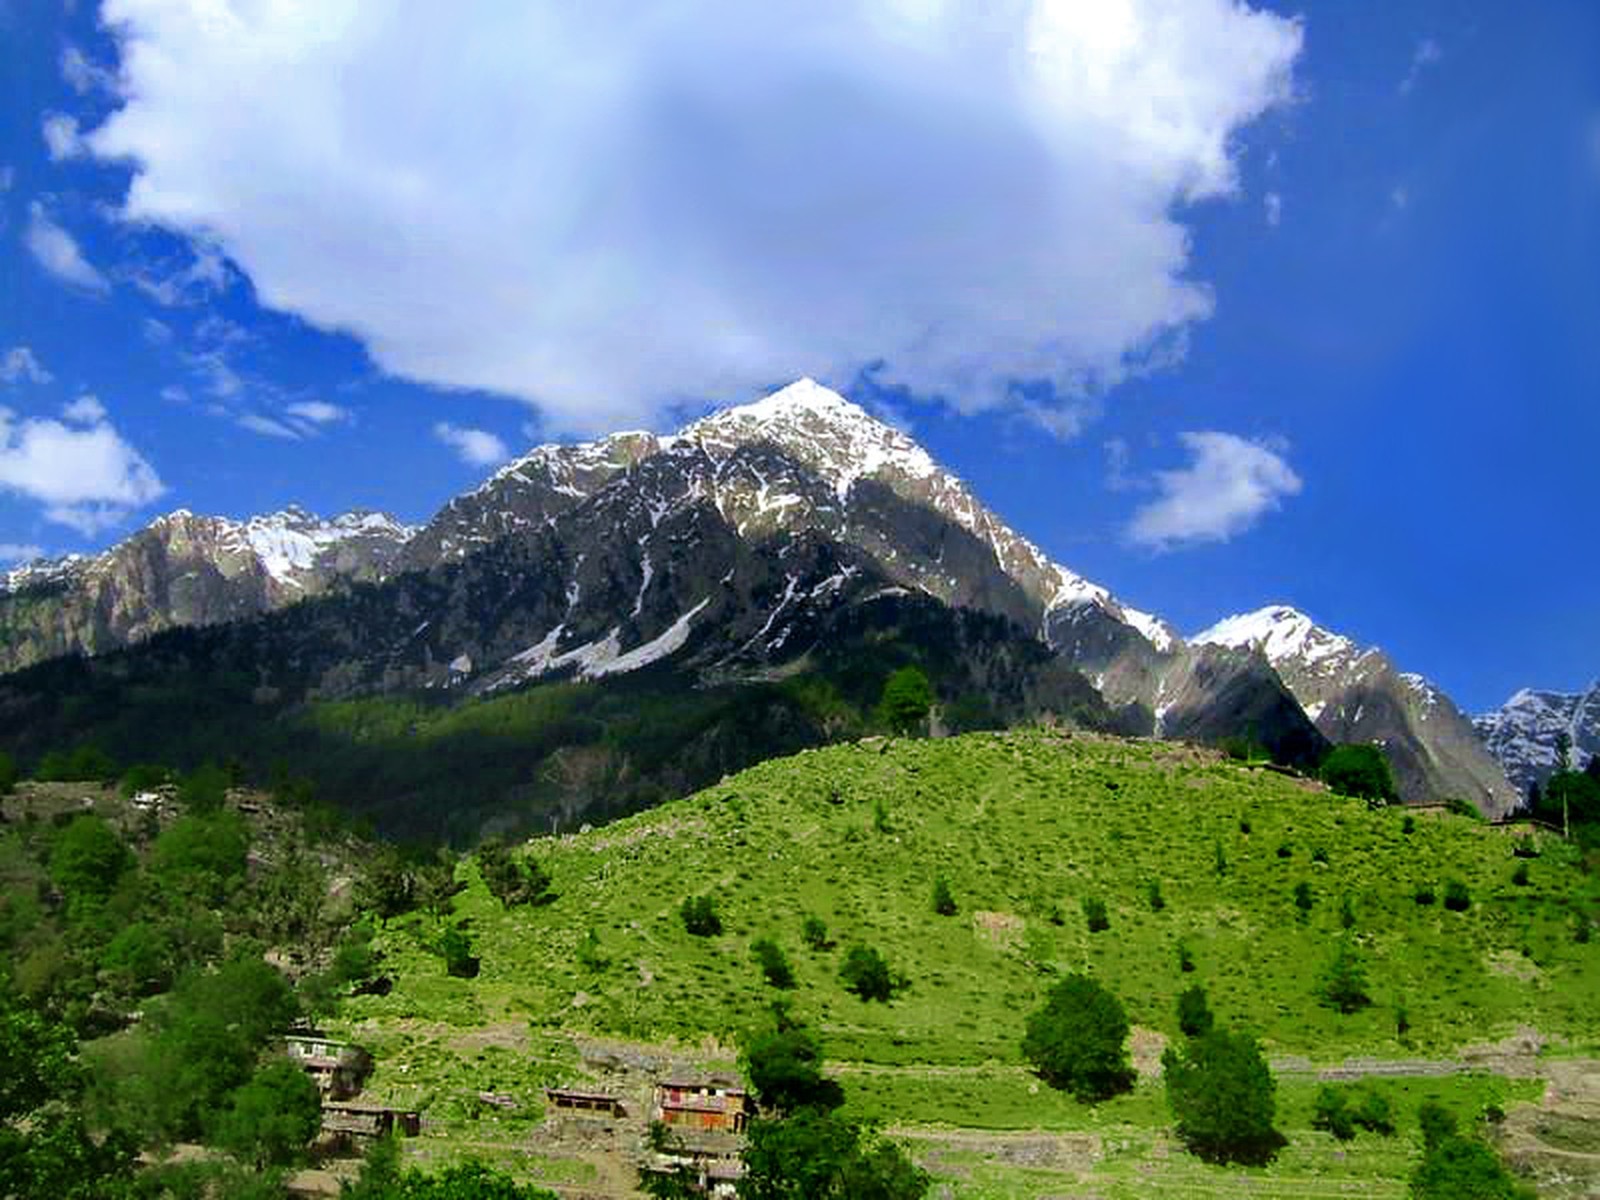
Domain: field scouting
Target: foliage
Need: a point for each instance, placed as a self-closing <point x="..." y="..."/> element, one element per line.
<point x="943" y="902"/>
<point x="907" y="697"/>
<point x="512" y="878"/>
<point x="201" y="857"/>
<point x="88" y="859"/>
<point x="866" y="973"/>
<point x="774" y="965"/>
<point x="1458" y="1168"/>
<point x="203" y="790"/>
<point x="143" y="777"/>
<point x="1436" y="1122"/>
<point x="1223" y="1097"/>
<point x="1194" y="1013"/>
<point x="84" y="764"/>
<point x="1361" y="771"/>
<point x="783" y="1065"/>
<point x="270" y="1119"/>
<point x="814" y="932"/>
<point x="382" y="1178"/>
<point x="1341" y="1111"/>
<point x="1344" y="982"/>
<point x="1094" y="914"/>
<point x="455" y="947"/>
<point x="1302" y="897"/>
<point x="699" y="915"/>
<point x="1077" y="1041"/>
<point x="1457" y="898"/>
<point x="817" y="1155"/>
<point x="8" y="774"/>
<point x="1153" y="896"/>
<point x="1520" y="876"/>
<point x="1332" y="1114"/>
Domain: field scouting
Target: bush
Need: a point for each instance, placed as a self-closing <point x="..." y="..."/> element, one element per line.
<point x="1436" y="1122"/>
<point x="1456" y="896"/>
<point x="770" y="958"/>
<point x="1408" y="824"/>
<point x="591" y="954"/>
<point x="85" y="764"/>
<point x="1375" y="1114"/>
<point x="1344" y="983"/>
<point x="1331" y="1115"/>
<point x="907" y="697"/>
<point x="1520" y="875"/>
<point x="270" y="1119"/>
<point x="1302" y="897"/>
<point x="1320" y="856"/>
<point x="814" y="932"/>
<point x="511" y="878"/>
<point x="1347" y="913"/>
<point x="1219" y="858"/>
<point x="1285" y="850"/>
<point x="1459" y="1168"/>
<point x="1077" y="1041"/>
<point x="143" y="777"/>
<point x="1185" y="958"/>
<point x="1152" y="894"/>
<point x="866" y="973"/>
<point x="88" y="859"/>
<point x="1424" y="895"/>
<point x="456" y="949"/>
<point x="943" y="902"/>
<point x="1360" y="771"/>
<point x="700" y="917"/>
<point x="784" y="1067"/>
<point x="8" y="774"/>
<point x="1526" y="847"/>
<point x="1223" y="1097"/>
<point x="1194" y="1014"/>
<point x="1094" y="913"/>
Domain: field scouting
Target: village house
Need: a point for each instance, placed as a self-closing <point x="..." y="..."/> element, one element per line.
<point x="709" y="1104"/>
<point x="338" y="1068"/>
<point x="369" y="1120"/>
<point x="576" y="1102"/>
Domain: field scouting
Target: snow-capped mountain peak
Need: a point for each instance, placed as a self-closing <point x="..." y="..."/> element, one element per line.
<point x="1282" y="633"/>
<point x="1524" y="731"/>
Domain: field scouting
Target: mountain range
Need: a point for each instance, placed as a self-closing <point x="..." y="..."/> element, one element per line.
<point x="754" y="545"/>
<point x="1524" y="733"/>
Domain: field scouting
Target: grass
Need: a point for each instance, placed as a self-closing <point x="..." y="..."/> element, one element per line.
<point x="1024" y="826"/>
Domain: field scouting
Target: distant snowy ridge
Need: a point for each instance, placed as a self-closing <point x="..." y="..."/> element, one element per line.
<point x="1524" y="732"/>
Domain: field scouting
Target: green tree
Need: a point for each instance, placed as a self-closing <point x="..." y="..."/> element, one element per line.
<point x="1223" y="1097"/>
<point x="813" y="1154"/>
<point x="202" y="858"/>
<point x="1359" y="770"/>
<point x="270" y="1119"/>
<point x="203" y="790"/>
<point x="1456" y="896"/>
<point x="783" y="1065"/>
<point x="1194" y="1014"/>
<point x="907" y="699"/>
<point x="8" y="774"/>
<point x="88" y="859"/>
<point x="1095" y="915"/>
<point x="1458" y="1168"/>
<point x="143" y="777"/>
<point x="699" y="915"/>
<point x="1332" y="1115"/>
<point x="943" y="902"/>
<point x="455" y="947"/>
<point x="866" y="973"/>
<point x="387" y="887"/>
<point x="1344" y="983"/>
<point x="83" y="764"/>
<point x="512" y="878"/>
<point x="773" y="962"/>
<point x="138" y="961"/>
<point x="1078" y="1040"/>
<point x="814" y="932"/>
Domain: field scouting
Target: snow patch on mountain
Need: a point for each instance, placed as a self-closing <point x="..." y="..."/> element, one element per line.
<point x="1281" y="633"/>
<point x="1524" y="732"/>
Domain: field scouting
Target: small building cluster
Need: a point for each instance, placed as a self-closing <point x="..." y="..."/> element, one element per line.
<point x="340" y="1071"/>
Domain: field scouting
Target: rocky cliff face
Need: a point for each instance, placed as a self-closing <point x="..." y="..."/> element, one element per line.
<point x="1523" y="734"/>
<point x="186" y="570"/>
<point x="1356" y="694"/>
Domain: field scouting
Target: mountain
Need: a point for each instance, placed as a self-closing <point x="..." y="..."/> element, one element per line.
<point x="1355" y="693"/>
<point x="1523" y="732"/>
<point x="186" y="570"/>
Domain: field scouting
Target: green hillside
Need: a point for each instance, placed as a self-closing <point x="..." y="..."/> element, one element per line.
<point x="1024" y="827"/>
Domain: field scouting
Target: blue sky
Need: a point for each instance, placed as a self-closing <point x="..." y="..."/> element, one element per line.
<point x="1292" y="303"/>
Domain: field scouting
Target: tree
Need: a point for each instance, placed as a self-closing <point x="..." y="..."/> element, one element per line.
<point x="814" y="932"/>
<point x="203" y="790"/>
<point x="816" y="1155"/>
<point x="270" y="1119"/>
<point x="1359" y="770"/>
<point x="455" y="947"/>
<point x="88" y="859"/>
<point x="699" y="914"/>
<point x="1332" y="1115"/>
<point x="510" y="878"/>
<point x="1302" y="898"/>
<point x="1456" y="896"/>
<point x="1344" y="983"/>
<point x="386" y="888"/>
<point x="784" y="1068"/>
<point x="774" y="965"/>
<point x="907" y="699"/>
<point x="8" y="774"/>
<point x="1223" y="1097"/>
<point x="1458" y="1168"/>
<point x="1078" y="1040"/>
<point x="382" y="1179"/>
<point x="1194" y="1014"/>
<point x="143" y="777"/>
<point x="203" y="858"/>
<point x="866" y="973"/>
<point x="1094" y="914"/>
<point x="943" y="902"/>
<point x="84" y="764"/>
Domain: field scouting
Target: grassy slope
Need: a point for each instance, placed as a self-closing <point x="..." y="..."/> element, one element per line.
<point x="1024" y="826"/>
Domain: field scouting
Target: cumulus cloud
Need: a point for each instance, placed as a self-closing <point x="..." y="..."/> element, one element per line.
<point x="475" y="447"/>
<point x="85" y="410"/>
<point x="17" y="552"/>
<point x="87" y="478"/>
<point x="18" y="365"/>
<point x="1229" y="484"/>
<point x="604" y="209"/>
<point x="61" y="136"/>
<point x="54" y="249"/>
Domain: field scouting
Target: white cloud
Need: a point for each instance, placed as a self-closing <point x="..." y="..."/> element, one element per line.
<point x="84" y="76"/>
<point x="157" y="333"/>
<point x="17" y="552"/>
<point x="1230" y="483"/>
<point x="476" y="447"/>
<point x="61" y="136"/>
<point x="1273" y="203"/>
<point x="86" y="478"/>
<point x="1400" y="197"/>
<point x="202" y="277"/>
<point x="318" y="412"/>
<point x="55" y="250"/>
<point x="18" y="365"/>
<point x="1426" y="54"/>
<point x="707" y="198"/>
<point x="268" y="427"/>
<point x="85" y="410"/>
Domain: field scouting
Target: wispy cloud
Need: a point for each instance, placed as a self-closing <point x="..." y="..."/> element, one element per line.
<point x="476" y="447"/>
<point x="86" y="478"/>
<point x="1229" y="484"/>
<point x="1426" y="54"/>
<point x="54" y="249"/>
<point x="84" y="76"/>
<point x="62" y="138"/>
<point x="268" y="426"/>
<point x="1272" y="204"/>
<point x="16" y="552"/>
<point x="18" y="365"/>
<point x="318" y="412"/>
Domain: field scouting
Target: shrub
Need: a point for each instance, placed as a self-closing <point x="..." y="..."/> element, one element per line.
<point x="1094" y="913"/>
<point x="1582" y="932"/>
<point x="880" y="816"/>
<point x="1457" y="1168"/>
<point x="943" y="902"/>
<point x="866" y="973"/>
<point x="907" y="697"/>
<point x="1331" y="1115"/>
<point x="1220" y="858"/>
<point x="770" y="958"/>
<point x="1360" y="771"/>
<point x="1302" y="897"/>
<point x="1436" y="1122"/>
<point x="700" y="917"/>
<point x="203" y="790"/>
<point x="1152" y="894"/>
<point x="143" y="777"/>
<point x="1520" y="875"/>
<point x="1408" y="824"/>
<point x="1077" y="1041"/>
<point x="1344" y="983"/>
<point x="814" y="932"/>
<point x="456" y="949"/>
<point x="590" y="954"/>
<point x="784" y="1067"/>
<point x="271" y="1118"/>
<point x="512" y="878"/>
<point x="1347" y="913"/>
<point x="1194" y="1014"/>
<point x="1424" y="895"/>
<point x="1526" y="847"/>
<point x="1402" y="1021"/>
<point x="88" y="859"/>
<point x="1456" y="896"/>
<point x="1223" y="1097"/>
<point x="1320" y="856"/>
<point x="1185" y="958"/>
<point x="1244" y="825"/>
<point x="1375" y="1114"/>
<point x="1285" y="850"/>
